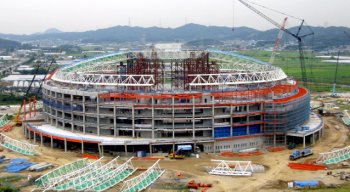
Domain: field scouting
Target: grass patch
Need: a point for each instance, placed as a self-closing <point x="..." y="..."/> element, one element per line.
<point x="320" y="74"/>
<point x="6" y="183"/>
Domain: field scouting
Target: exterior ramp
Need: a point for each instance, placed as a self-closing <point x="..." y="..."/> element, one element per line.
<point x="143" y="180"/>
<point x="17" y="146"/>
<point x="334" y="157"/>
<point x="232" y="168"/>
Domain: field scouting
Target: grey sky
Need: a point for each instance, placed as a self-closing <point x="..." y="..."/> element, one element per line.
<point x="29" y="16"/>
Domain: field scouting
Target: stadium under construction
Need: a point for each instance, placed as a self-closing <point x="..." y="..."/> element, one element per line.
<point x="155" y="100"/>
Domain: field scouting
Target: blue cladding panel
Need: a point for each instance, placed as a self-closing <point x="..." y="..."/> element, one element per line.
<point x="239" y="131"/>
<point x="222" y="132"/>
<point x="254" y="129"/>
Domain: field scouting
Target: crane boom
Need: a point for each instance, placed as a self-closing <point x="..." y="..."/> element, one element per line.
<point x="296" y="36"/>
<point x="278" y="41"/>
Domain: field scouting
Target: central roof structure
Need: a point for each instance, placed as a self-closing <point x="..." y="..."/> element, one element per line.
<point x="160" y="70"/>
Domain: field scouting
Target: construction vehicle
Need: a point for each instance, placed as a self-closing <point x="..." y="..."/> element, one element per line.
<point x="296" y="35"/>
<point x="177" y="154"/>
<point x="299" y="154"/>
<point x="17" y="120"/>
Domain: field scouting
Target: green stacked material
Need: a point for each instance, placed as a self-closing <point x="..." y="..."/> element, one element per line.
<point x="113" y="181"/>
<point x="341" y="158"/>
<point x="17" y="149"/>
<point x="61" y="171"/>
<point x="145" y="182"/>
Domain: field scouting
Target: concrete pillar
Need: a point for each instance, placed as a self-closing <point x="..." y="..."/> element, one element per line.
<point x="126" y="149"/>
<point x="174" y="147"/>
<point x="41" y="139"/>
<point x="115" y="120"/>
<point x="71" y="113"/>
<point x="304" y="141"/>
<point x="65" y="144"/>
<point x="150" y="149"/>
<point x="84" y="128"/>
<point x="82" y="147"/>
<point x="173" y="115"/>
<point x="193" y="118"/>
<point x="231" y="121"/>
<point x="51" y="141"/>
<point x="213" y="114"/>
<point x="98" y="115"/>
<point x="34" y="137"/>
<point x="153" y="136"/>
<point x="133" y="121"/>
<point x="102" y="150"/>
<point x="248" y="120"/>
<point x="274" y="139"/>
<point x="214" y="147"/>
<point x="313" y="138"/>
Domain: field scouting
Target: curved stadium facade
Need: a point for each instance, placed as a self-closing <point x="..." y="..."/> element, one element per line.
<point x="219" y="101"/>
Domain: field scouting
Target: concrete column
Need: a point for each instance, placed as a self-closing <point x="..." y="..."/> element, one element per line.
<point x="82" y="147"/>
<point x="248" y="120"/>
<point x="231" y="120"/>
<point x="174" y="147"/>
<point x="173" y="115"/>
<point x="214" y="147"/>
<point x="71" y="113"/>
<point x="98" y="115"/>
<point x="41" y="139"/>
<point x="65" y="144"/>
<point x="150" y="149"/>
<point x="213" y="113"/>
<point x="313" y="138"/>
<point x="51" y="142"/>
<point x="153" y="136"/>
<point x="115" y="120"/>
<point x="126" y="149"/>
<point x="304" y="141"/>
<point x="34" y="137"/>
<point x="102" y="150"/>
<point x="274" y="139"/>
<point x="193" y="118"/>
<point x="84" y="128"/>
<point x="133" y="121"/>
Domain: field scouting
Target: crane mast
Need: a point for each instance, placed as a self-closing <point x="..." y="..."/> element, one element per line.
<point x="297" y="36"/>
<point x="278" y="41"/>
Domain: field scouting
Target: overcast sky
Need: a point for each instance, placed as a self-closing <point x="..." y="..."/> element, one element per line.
<point x="30" y="16"/>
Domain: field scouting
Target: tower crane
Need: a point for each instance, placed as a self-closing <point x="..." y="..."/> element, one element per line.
<point x="334" y="91"/>
<point x="296" y="35"/>
<point x="278" y="41"/>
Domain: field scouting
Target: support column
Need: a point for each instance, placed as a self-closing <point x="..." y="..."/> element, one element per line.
<point x="214" y="148"/>
<point x="82" y="147"/>
<point x="34" y="137"/>
<point x="126" y="149"/>
<point x="71" y="113"/>
<point x="313" y="138"/>
<point x="231" y="120"/>
<point x="152" y="118"/>
<point x="84" y="128"/>
<point x="150" y="149"/>
<point x="102" y="150"/>
<point x="173" y="116"/>
<point x="65" y="144"/>
<point x="115" y="120"/>
<point x="41" y="139"/>
<point x="193" y="118"/>
<point x="304" y="141"/>
<point x="213" y="114"/>
<point x="248" y="120"/>
<point x="51" y="142"/>
<point x="274" y="139"/>
<point x="98" y="115"/>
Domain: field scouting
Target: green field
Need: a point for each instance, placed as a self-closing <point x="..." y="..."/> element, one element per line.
<point x="320" y="75"/>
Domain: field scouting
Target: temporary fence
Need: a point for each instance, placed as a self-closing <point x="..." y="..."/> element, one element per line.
<point x="17" y="146"/>
<point x="143" y="180"/>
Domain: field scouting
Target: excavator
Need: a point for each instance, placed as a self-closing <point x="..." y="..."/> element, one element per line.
<point x="179" y="154"/>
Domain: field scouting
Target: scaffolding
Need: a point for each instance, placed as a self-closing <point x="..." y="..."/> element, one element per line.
<point x="143" y="180"/>
<point x="334" y="157"/>
<point x="17" y="146"/>
<point x="232" y="168"/>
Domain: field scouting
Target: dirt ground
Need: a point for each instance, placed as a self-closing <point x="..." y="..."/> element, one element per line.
<point x="273" y="179"/>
